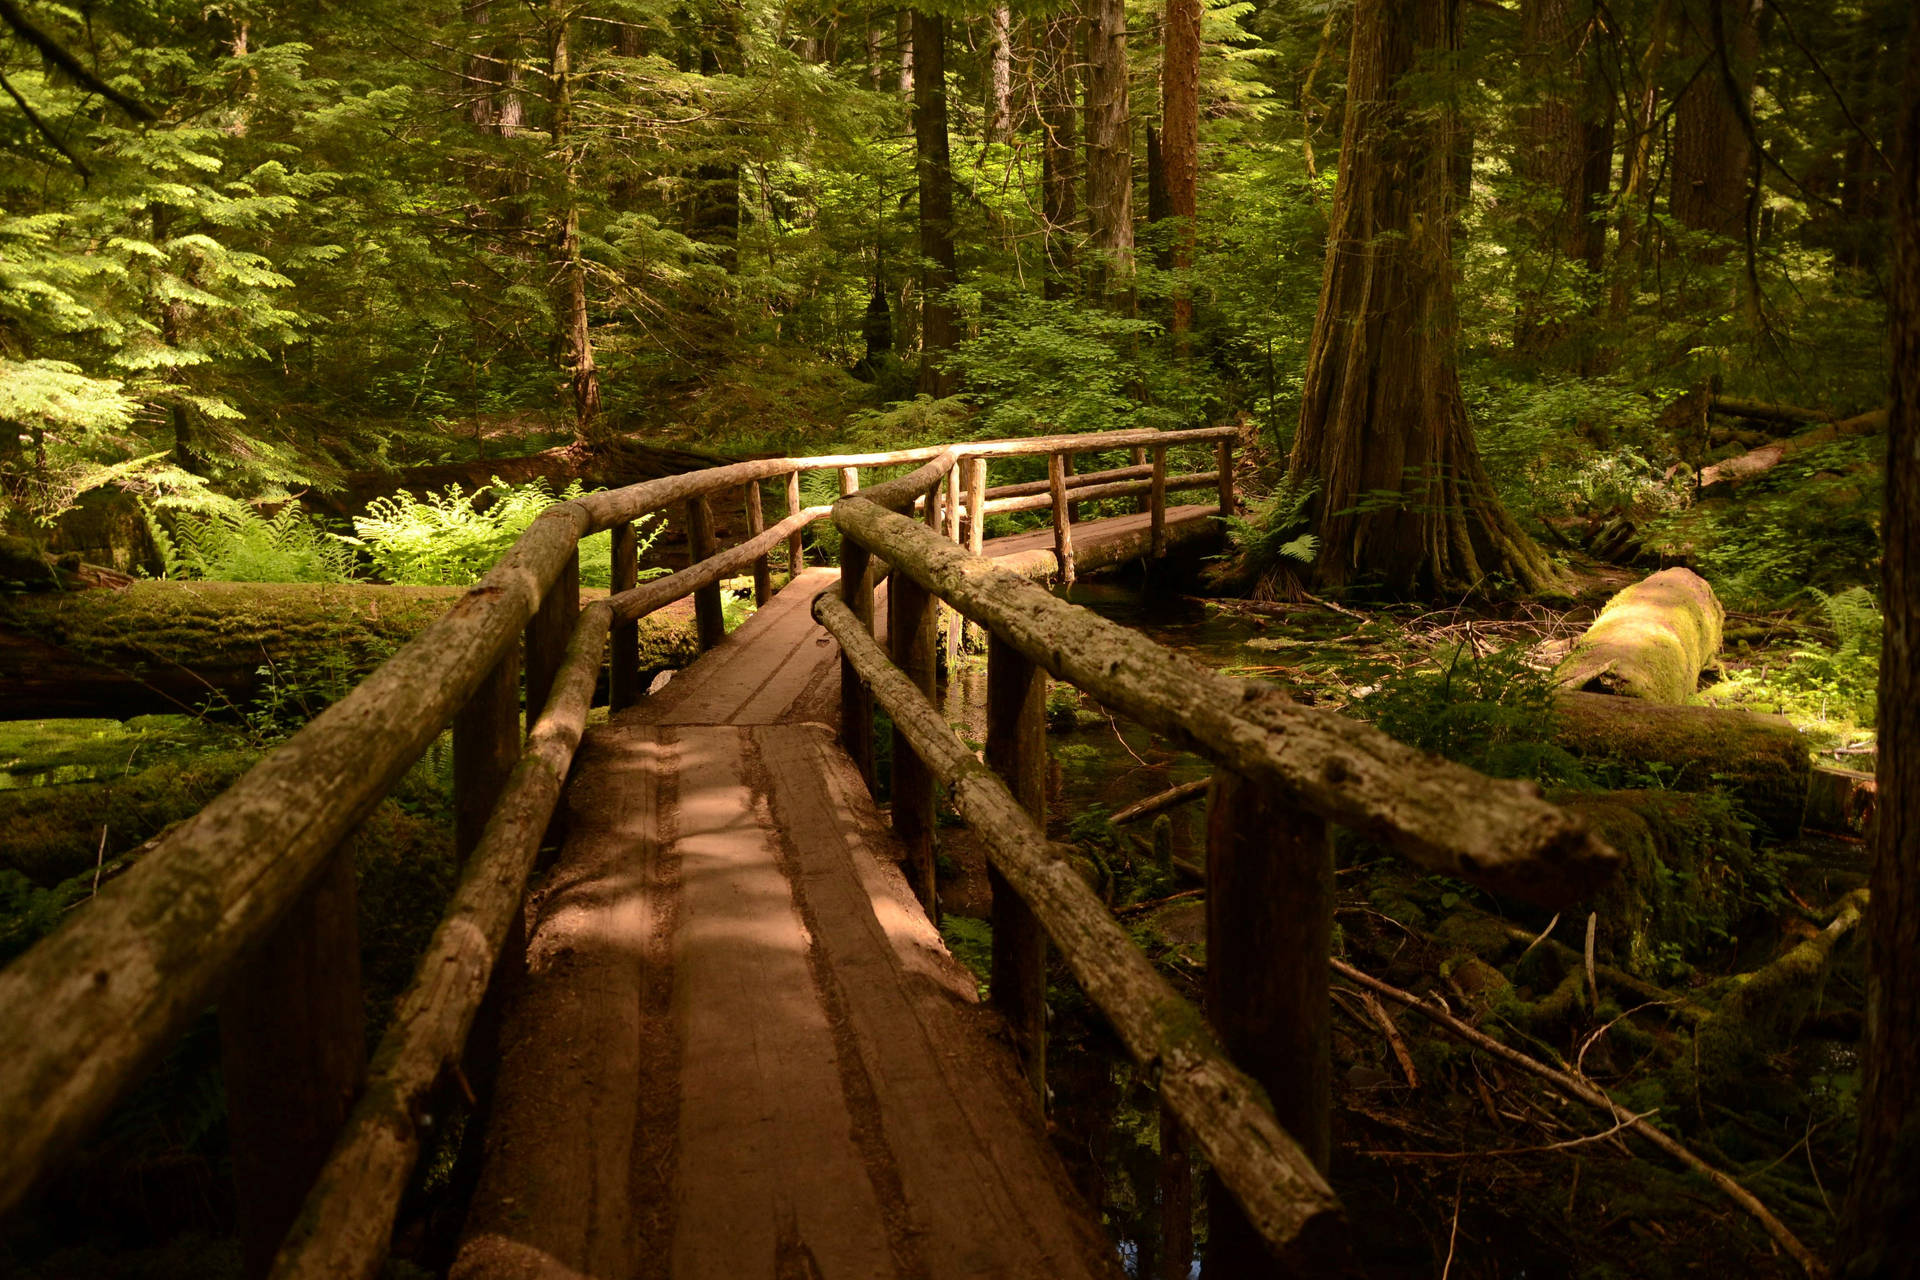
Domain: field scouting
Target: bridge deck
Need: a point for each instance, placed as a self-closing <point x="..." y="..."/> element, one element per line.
<point x="740" y="1049"/>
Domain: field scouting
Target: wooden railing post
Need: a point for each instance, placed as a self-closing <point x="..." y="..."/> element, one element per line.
<point x="948" y="615"/>
<point x="710" y="623"/>
<point x="1157" y="501"/>
<point x="1066" y="474"/>
<point x="293" y="1052"/>
<point x="547" y="634"/>
<point x="856" y="700"/>
<point x="1137" y="456"/>
<point x="796" y="554"/>
<point x="757" y="525"/>
<point x="1017" y="751"/>
<point x="911" y="636"/>
<point x="486" y="745"/>
<point x="849" y="480"/>
<point x="976" y="504"/>
<point x="623" y="684"/>
<point x="1269" y="927"/>
<point x="1223" y="453"/>
<point x="1062" y="527"/>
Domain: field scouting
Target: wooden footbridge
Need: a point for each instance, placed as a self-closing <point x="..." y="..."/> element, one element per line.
<point x="723" y="1038"/>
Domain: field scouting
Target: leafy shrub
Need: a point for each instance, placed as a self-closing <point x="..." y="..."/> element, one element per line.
<point x="238" y="544"/>
<point x="1490" y="711"/>
<point x="1270" y="537"/>
<point x="1836" y="682"/>
<point x="444" y="539"/>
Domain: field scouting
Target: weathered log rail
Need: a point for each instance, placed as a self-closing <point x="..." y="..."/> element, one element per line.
<point x="249" y="904"/>
<point x="1283" y="773"/>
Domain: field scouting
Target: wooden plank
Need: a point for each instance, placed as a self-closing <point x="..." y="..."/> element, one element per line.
<point x="293" y="1053"/>
<point x="1442" y="816"/>
<point x="1269" y="930"/>
<point x="980" y="1191"/>
<point x="1016" y="749"/>
<point x="768" y="671"/>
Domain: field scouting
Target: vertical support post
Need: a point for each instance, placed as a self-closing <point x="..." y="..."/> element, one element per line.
<point x="623" y="685"/>
<point x="948" y="614"/>
<point x="547" y="634"/>
<point x="486" y="745"/>
<point x="849" y="480"/>
<point x="293" y="1051"/>
<point x="931" y="512"/>
<point x="1157" y="501"/>
<point x="709" y="623"/>
<point x="1066" y="469"/>
<point x="1062" y="529"/>
<point x="856" y="700"/>
<point x="1223" y="454"/>
<point x="1137" y="456"/>
<point x="910" y="633"/>
<point x="757" y="525"/>
<point x="796" y="554"/>
<point x="1269" y="927"/>
<point x="1017" y="751"/>
<point x="1176" y="1200"/>
<point x="976" y="504"/>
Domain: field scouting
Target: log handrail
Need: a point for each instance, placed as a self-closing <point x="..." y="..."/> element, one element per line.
<point x="84" y="1010"/>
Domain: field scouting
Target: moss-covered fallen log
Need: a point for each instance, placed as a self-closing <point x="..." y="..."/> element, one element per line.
<point x="160" y="647"/>
<point x="1761" y="760"/>
<point x="1651" y="641"/>
<point x="1743" y="467"/>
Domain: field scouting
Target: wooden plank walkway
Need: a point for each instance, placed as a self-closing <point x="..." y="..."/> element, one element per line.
<point x="740" y="1049"/>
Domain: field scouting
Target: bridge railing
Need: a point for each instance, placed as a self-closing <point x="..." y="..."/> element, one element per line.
<point x="1283" y="773"/>
<point x="249" y="905"/>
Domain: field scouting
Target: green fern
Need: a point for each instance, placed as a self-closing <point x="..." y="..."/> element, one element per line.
<point x="238" y="544"/>
<point x="1271" y="537"/>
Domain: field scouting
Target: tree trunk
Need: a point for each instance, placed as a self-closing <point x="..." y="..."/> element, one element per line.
<point x="1109" y="148"/>
<point x="1058" y="149"/>
<point x="1881" y="1228"/>
<point x="1711" y="157"/>
<point x="576" y="337"/>
<point x="1634" y="166"/>
<point x="1565" y="156"/>
<point x="905" y="29"/>
<point x="999" y="126"/>
<point x="1382" y="411"/>
<point x="1180" y="139"/>
<point x="938" y="271"/>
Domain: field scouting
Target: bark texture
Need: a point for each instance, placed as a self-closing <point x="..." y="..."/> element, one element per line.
<point x="1711" y="154"/>
<point x="938" y="271"/>
<point x="583" y="376"/>
<point x="1059" y="146"/>
<point x="1109" y="145"/>
<point x="1382" y="410"/>
<point x="1180" y="139"/>
<point x="1651" y="641"/>
<point x="999" y="127"/>
<point x="1881" y="1229"/>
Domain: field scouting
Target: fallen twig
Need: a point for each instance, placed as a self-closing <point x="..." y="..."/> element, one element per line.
<point x="1581" y="1091"/>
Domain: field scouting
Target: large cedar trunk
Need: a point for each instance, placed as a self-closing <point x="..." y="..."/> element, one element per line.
<point x="938" y="271"/>
<point x="1180" y="138"/>
<point x="1109" y="146"/>
<point x="1565" y="153"/>
<point x="1058" y="148"/>
<point x="1881" y="1232"/>
<point x="1382" y="410"/>
<point x="1711" y="158"/>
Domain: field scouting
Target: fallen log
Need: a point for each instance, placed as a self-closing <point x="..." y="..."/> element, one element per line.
<point x="185" y="647"/>
<point x="609" y="466"/>
<point x="1744" y="467"/>
<point x="1765" y="411"/>
<point x="1761" y="760"/>
<point x="1650" y="642"/>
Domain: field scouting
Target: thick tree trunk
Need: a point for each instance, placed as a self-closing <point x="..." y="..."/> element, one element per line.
<point x="1881" y="1228"/>
<point x="1566" y="156"/>
<point x="1382" y="411"/>
<point x="999" y="126"/>
<point x="938" y="271"/>
<point x="1059" y="146"/>
<point x="1711" y="157"/>
<point x="583" y="376"/>
<point x="1180" y="139"/>
<point x="1634" y="166"/>
<point x="905" y="30"/>
<point x="1109" y="148"/>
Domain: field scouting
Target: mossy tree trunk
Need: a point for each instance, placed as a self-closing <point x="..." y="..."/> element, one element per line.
<point x="1881" y="1230"/>
<point x="938" y="271"/>
<point x="1383" y="425"/>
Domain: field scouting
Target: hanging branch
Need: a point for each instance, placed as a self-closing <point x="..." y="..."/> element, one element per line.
<point x="44" y="129"/>
<point x="57" y="54"/>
